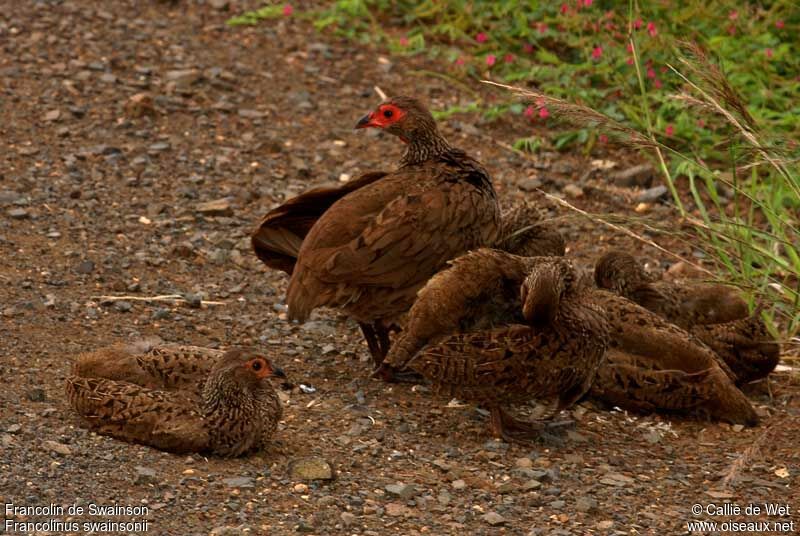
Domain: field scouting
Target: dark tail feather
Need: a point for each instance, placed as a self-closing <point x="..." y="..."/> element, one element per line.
<point x="277" y="240"/>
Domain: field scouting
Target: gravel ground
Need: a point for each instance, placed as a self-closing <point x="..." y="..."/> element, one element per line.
<point x="142" y="141"/>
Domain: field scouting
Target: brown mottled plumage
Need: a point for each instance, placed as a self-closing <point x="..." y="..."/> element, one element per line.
<point x="524" y="232"/>
<point x="685" y="305"/>
<point x="178" y="398"/>
<point x="654" y="365"/>
<point x="745" y="345"/>
<point x="278" y="238"/>
<point x="368" y="249"/>
<point x="496" y="329"/>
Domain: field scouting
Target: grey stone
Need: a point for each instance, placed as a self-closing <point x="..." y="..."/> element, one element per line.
<point x="195" y="301"/>
<point x="530" y="184"/>
<point x="652" y="194"/>
<point x="227" y="530"/>
<point x="459" y="484"/>
<point x="239" y="482"/>
<point x="58" y="448"/>
<point x="17" y="213"/>
<point x="494" y="519"/>
<point x="585" y="504"/>
<point x="85" y="267"/>
<point x="531" y="485"/>
<point x="641" y="175"/>
<point x="250" y="114"/>
<point x="404" y="491"/>
<point x="183" y="77"/>
<point x="36" y="394"/>
<point x="159" y="147"/>
<point x="573" y="190"/>
<point x="8" y="197"/>
<point x="123" y="306"/>
<point x="311" y="468"/>
<point x="144" y="475"/>
<point x="217" y="207"/>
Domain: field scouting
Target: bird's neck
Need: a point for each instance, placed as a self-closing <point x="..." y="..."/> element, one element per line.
<point x="424" y="146"/>
<point x="222" y="394"/>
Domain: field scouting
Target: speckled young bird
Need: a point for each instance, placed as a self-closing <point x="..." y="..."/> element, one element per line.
<point x="496" y="329"/>
<point x="685" y="305"/>
<point x="653" y="365"/>
<point x="746" y="346"/>
<point x="177" y="398"/>
<point x="368" y="249"/>
<point x="525" y="232"/>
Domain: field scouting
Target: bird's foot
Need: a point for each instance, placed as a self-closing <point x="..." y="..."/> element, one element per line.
<point x="527" y="433"/>
<point x="390" y="374"/>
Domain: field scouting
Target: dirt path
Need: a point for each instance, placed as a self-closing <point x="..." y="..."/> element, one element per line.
<point x="101" y="194"/>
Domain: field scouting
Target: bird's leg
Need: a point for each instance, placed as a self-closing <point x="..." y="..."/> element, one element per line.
<point x="515" y="430"/>
<point x="372" y="342"/>
<point x="383" y="338"/>
<point x="386" y="372"/>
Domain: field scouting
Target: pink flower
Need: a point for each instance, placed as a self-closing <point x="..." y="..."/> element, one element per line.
<point x="288" y="10"/>
<point x="629" y="61"/>
<point x="597" y="52"/>
<point x="587" y="3"/>
<point x="768" y="52"/>
<point x="541" y="27"/>
<point x="403" y="41"/>
<point x="657" y="83"/>
<point x="637" y="24"/>
<point x="564" y="9"/>
<point x="527" y="48"/>
<point x="779" y="24"/>
<point x="481" y="37"/>
<point x="490" y="60"/>
<point x="543" y="113"/>
<point x="701" y="123"/>
<point x="459" y="60"/>
<point x="630" y="47"/>
<point x="651" y="29"/>
<point x="528" y="111"/>
<point x="602" y="138"/>
<point x="651" y="73"/>
<point x="540" y="102"/>
<point x="670" y="130"/>
<point x="508" y="58"/>
<point x="733" y="15"/>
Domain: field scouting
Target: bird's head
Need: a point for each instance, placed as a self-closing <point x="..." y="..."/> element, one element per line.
<point x="246" y="367"/>
<point x="405" y="117"/>
<point x="543" y="288"/>
<point x="619" y="271"/>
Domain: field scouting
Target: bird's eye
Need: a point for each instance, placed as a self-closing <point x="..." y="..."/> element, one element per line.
<point x="388" y="113"/>
<point x="257" y="365"/>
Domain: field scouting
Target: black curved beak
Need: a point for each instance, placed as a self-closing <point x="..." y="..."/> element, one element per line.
<point x="364" y="121"/>
<point x="278" y="372"/>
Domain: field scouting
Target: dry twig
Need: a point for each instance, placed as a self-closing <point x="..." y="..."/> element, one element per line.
<point x="165" y="297"/>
